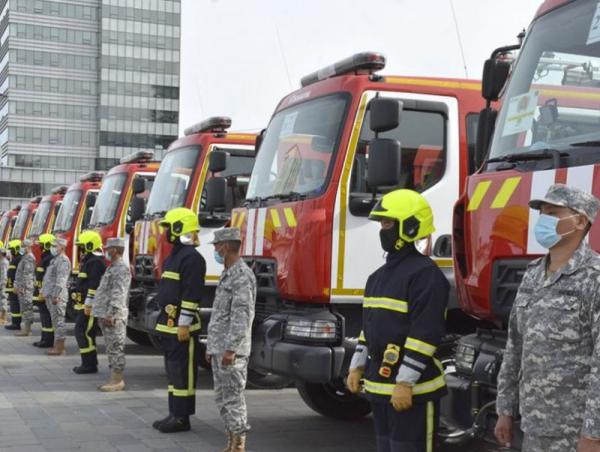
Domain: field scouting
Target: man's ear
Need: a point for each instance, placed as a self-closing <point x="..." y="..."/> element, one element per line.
<point x="582" y="222"/>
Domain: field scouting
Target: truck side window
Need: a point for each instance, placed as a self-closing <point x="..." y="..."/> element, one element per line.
<point x="149" y="178"/>
<point x="423" y="141"/>
<point x="90" y="202"/>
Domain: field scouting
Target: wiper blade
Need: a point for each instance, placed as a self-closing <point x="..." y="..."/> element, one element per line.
<point x="257" y="199"/>
<point x="542" y="154"/>
<point x="591" y="143"/>
<point x="292" y="196"/>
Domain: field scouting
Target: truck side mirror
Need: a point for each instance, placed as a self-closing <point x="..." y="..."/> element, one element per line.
<point x="485" y="130"/>
<point x="216" y="194"/>
<point x="384" y="163"/>
<point x="384" y="114"/>
<point x="495" y="74"/>
<point x="138" y="185"/>
<point x="217" y="161"/>
<point x="138" y="206"/>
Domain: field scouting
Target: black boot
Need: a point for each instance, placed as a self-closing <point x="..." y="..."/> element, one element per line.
<point x="175" y="424"/>
<point x="85" y="370"/>
<point x="43" y="344"/>
<point x="157" y="424"/>
<point x="12" y="327"/>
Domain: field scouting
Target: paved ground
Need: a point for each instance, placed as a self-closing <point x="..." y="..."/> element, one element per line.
<point x="44" y="406"/>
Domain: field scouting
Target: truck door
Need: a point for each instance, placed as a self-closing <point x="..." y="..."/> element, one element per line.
<point x="429" y="136"/>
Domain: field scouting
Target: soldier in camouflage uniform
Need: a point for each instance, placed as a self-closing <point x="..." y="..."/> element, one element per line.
<point x="3" y="278"/>
<point x="24" y="280"/>
<point x="551" y="368"/>
<point x="110" y="307"/>
<point x="229" y="336"/>
<point x="56" y="294"/>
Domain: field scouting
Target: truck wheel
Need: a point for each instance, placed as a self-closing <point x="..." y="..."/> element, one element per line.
<point x="139" y="337"/>
<point x="333" y="400"/>
<point x="259" y="380"/>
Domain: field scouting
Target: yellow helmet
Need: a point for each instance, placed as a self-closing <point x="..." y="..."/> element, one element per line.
<point x="180" y="220"/>
<point x="14" y="246"/>
<point x="89" y="241"/>
<point x="46" y="240"/>
<point x="410" y="209"/>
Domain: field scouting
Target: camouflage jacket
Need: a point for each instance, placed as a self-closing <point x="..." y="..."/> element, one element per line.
<point x="3" y="275"/>
<point x="551" y="367"/>
<point x="55" y="280"/>
<point x="25" y="276"/>
<point x="111" y="295"/>
<point x="233" y="311"/>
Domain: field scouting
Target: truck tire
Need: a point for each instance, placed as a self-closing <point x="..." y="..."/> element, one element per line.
<point x="139" y="337"/>
<point x="259" y="380"/>
<point x="333" y="400"/>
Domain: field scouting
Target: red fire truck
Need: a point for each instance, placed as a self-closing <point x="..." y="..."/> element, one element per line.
<point x="180" y="182"/>
<point x="7" y="222"/>
<point x="24" y="219"/>
<point x="546" y="132"/>
<point x="305" y="230"/>
<point x="122" y="198"/>
<point x="43" y="221"/>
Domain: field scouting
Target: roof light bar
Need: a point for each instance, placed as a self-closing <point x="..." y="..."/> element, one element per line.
<point x="94" y="176"/>
<point x="214" y="124"/>
<point x="60" y="190"/>
<point x="36" y="199"/>
<point x="360" y="63"/>
<point x="138" y="157"/>
<point x="17" y="207"/>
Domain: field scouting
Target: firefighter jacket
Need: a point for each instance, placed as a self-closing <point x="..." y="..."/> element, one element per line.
<point x="180" y="290"/>
<point x="91" y="270"/>
<point x="404" y="312"/>
<point x="40" y="271"/>
<point x="12" y="273"/>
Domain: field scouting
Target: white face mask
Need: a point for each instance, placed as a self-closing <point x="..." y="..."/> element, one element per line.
<point x="107" y="256"/>
<point x="53" y="250"/>
<point x="187" y="239"/>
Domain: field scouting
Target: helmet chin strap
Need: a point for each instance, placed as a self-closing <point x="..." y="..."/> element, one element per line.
<point x="399" y="244"/>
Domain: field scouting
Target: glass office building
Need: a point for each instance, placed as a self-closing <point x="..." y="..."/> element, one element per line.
<point x="82" y="84"/>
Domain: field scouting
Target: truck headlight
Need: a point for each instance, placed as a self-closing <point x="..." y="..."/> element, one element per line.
<point x="317" y="330"/>
<point x="465" y="357"/>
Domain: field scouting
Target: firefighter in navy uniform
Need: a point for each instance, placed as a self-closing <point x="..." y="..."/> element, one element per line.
<point x="91" y="269"/>
<point x="47" y="339"/>
<point x="179" y="295"/>
<point x="14" y="246"/>
<point x="403" y="323"/>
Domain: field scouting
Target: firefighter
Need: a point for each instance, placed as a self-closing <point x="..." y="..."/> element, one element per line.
<point x="403" y="323"/>
<point x="91" y="269"/>
<point x="23" y="284"/>
<point x="179" y="294"/>
<point x="550" y="371"/>
<point x="3" y="277"/>
<point x="47" y="340"/>
<point x="14" y="246"/>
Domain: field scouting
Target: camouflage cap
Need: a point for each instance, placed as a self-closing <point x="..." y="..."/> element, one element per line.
<point x="226" y="235"/>
<point x="60" y="242"/>
<point x="27" y="243"/>
<point x="115" y="242"/>
<point x="571" y="197"/>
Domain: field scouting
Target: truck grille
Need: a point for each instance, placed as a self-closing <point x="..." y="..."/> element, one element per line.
<point x="144" y="268"/>
<point x="506" y="278"/>
<point x="267" y="294"/>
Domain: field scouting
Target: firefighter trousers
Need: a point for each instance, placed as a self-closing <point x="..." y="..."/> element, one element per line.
<point x="181" y="365"/>
<point x="15" y="309"/>
<point x="46" y="321"/>
<point x="86" y="330"/>
<point x="413" y="430"/>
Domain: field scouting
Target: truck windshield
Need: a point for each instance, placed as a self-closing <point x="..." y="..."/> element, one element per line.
<point x="298" y="148"/>
<point x="39" y="220"/>
<point x="173" y="180"/>
<point x="552" y="100"/>
<point x="20" y="224"/>
<point x="109" y="198"/>
<point x="68" y="210"/>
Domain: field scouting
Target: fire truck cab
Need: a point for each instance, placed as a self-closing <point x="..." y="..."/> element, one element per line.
<point x="180" y="182"/>
<point x="46" y="212"/>
<point x="545" y="132"/>
<point x="22" y="224"/>
<point x="7" y="222"/>
<point x="122" y="198"/>
<point x="329" y="152"/>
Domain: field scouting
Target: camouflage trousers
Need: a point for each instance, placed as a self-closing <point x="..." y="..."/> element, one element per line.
<point x="57" y="314"/>
<point x="26" y="306"/>
<point x="114" y="338"/>
<point x="229" y="385"/>
<point x="532" y="443"/>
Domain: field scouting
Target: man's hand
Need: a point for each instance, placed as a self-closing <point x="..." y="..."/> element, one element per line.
<point x="401" y="398"/>
<point x="353" y="380"/>
<point x="108" y="321"/>
<point x="228" y="358"/>
<point x="588" y="445"/>
<point x="87" y="310"/>
<point x="503" y="430"/>
<point x="55" y="301"/>
<point x="183" y="333"/>
<point x="208" y="358"/>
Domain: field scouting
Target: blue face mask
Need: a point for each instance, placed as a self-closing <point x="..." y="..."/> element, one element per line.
<point x="545" y="230"/>
<point x="53" y="251"/>
<point x="220" y="259"/>
<point x="22" y="252"/>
